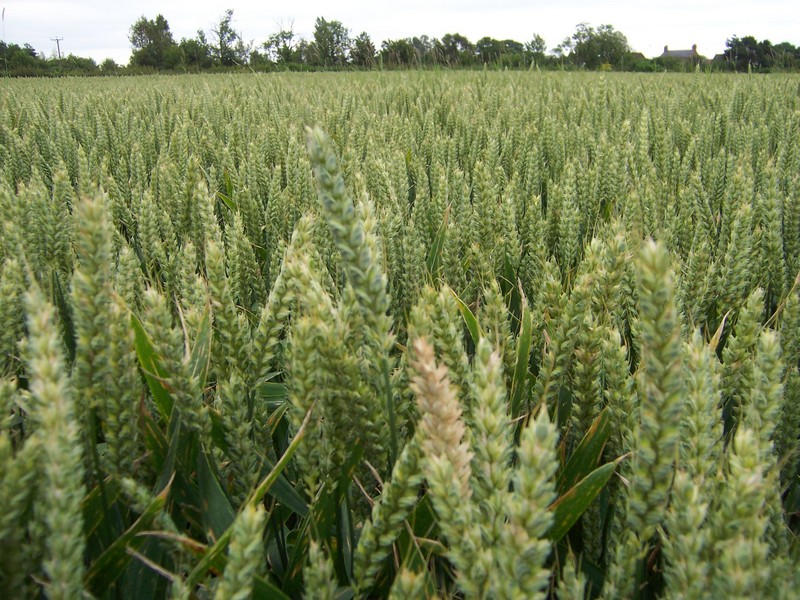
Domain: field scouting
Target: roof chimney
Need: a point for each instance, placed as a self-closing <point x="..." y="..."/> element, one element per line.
<point x="666" y="49"/>
<point x="694" y="48"/>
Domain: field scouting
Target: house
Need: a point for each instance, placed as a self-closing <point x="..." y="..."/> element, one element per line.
<point x="687" y="55"/>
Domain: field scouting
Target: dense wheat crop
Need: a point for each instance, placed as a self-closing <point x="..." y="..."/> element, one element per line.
<point x="480" y="335"/>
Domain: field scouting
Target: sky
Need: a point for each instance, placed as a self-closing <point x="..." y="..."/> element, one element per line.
<point x="99" y="29"/>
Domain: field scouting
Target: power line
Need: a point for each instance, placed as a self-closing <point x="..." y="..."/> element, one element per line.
<point x="58" y="41"/>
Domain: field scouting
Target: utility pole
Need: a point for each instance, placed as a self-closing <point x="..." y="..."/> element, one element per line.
<point x="5" y="46"/>
<point x="58" y="41"/>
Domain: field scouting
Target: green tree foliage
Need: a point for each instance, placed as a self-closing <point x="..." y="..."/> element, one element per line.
<point x="109" y="66"/>
<point x="21" y="60"/>
<point x="227" y="47"/>
<point x="458" y="50"/>
<point x="592" y="47"/>
<point x="196" y="52"/>
<point x="412" y="52"/>
<point x="75" y="65"/>
<point x="488" y="49"/>
<point x="398" y="53"/>
<point x="363" y="52"/>
<point x="536" y="48"/>
<point x="742" y="52"/>
<point x="331" y="45"/>
<point x="24" y="61"/>
<point x="786" y="55"/>
<point x="425" y="49"/>
<point x="153" y="45"/>
<point x="747" y="53"/>
<point x="281" y="46"/>
<point x="503" y="53"/>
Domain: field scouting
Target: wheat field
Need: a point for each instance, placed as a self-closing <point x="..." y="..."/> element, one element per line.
<point x="400" y="335"/>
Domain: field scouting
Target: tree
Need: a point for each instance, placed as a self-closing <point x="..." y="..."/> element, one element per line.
<point x="196" y="52"/>
<point x="108" y="66"/>
<point x="458" y="50"/>
<point x="786" y="55"/>
<point x="747" y="53"/>
<point x="72" y="64"/>
<point x="153" y="44"/>
<point x="304" y="50"/>
<point x="536" y="49"/>
<point x="227" y="48"/>
<point x="501" y="53"/>
<point x="740" y="52"/>
<point x="22" y="60"/>
<point x="363" y="51"/>
<point x="423" y="48"/>
<point x="437" y="53"/>
<point x="280" y="46"/>
<point x="398" y="53"/>
<point x="488" y="50"/>
<point x="591" y="48"/>
<point x="331" y="43"/>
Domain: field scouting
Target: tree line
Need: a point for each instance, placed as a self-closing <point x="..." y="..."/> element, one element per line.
<point x="331" y="46"/>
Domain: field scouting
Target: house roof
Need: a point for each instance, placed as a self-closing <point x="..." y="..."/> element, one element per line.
<point x="679" y="53"/>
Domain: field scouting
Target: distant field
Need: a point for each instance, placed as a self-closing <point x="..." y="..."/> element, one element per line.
<point x="479" y="335"/>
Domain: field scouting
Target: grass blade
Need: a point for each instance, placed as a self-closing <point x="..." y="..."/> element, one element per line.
<point x="569" y="507"/>
<point x="111" y="564"/>
<point x="255" y="497"/>
<point x="587" y="454"/>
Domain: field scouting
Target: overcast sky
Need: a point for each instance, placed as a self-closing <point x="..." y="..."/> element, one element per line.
<point x="99" y="28"/>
